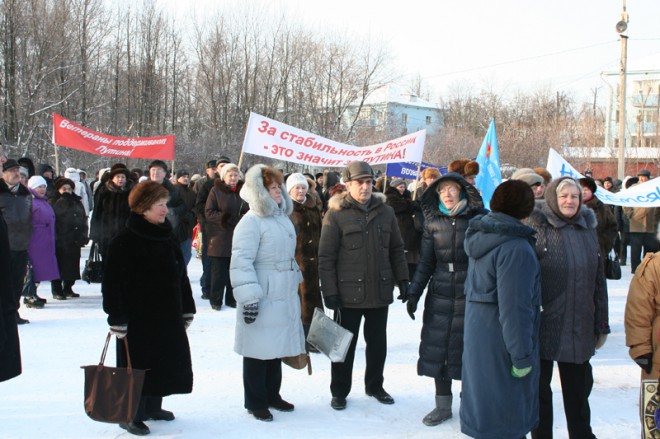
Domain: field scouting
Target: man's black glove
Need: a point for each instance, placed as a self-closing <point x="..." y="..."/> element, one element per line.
<point x="411" y="306"/>
<point x="404" y="285"/>
<point x="332" y="302"/>
<point x="645" y="362"/>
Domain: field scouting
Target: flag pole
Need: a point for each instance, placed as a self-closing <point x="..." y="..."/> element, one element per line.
<point x="417" y="178"/>
<point x="57" y="161"/>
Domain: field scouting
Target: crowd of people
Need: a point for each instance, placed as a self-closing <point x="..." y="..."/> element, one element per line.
<point x="518" y="287"/>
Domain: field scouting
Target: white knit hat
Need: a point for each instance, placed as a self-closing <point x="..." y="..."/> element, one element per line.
<point x="230" y="167"/>
<point x="35" y="181"/>
<point x="294" y="180"/>
<point x="528" y="176"/>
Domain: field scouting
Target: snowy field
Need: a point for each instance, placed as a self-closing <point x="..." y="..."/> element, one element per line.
<point x="46" y="401"/>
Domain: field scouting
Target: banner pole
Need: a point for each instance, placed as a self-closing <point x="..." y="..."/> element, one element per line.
<point x="419" y="167"/>
<point x="240" y="160"/>
<point x="57" y="161"/>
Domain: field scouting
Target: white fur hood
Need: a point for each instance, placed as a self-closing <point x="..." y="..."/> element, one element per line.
<point x="257" y="196"/>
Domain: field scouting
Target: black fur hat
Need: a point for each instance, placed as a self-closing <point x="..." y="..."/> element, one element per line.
<point x="514" y="198"/>
<point x="588" y="183"/>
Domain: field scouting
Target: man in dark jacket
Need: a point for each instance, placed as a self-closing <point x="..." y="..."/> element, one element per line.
<point x="16" y="207"/>
<point x="203" y="188"/>
<point x="361" y="257"/>
<point x="188" y="196"/>
<point x="179" y="215"/>
<point x="48" y="173"/>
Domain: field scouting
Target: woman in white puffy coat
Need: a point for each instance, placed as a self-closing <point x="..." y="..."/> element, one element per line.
<point x="265" y="278"/>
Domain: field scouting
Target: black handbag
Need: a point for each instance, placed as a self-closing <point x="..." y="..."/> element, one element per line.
<point x="612" y="267"/>
<point x="93" y="271"/>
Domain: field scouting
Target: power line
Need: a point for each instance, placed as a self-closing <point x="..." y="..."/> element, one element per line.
<point x="520" y="60"/>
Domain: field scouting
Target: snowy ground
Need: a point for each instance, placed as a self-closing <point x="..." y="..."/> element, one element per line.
<point x="46" y="401"/>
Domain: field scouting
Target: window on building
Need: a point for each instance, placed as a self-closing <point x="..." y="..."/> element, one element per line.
<point x="428" y="120"/>
<point x="404" y="119"/>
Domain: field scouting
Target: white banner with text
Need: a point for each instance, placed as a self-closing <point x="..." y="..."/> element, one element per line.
<point x="269" y="138"/>
<point x="645" y="194"/>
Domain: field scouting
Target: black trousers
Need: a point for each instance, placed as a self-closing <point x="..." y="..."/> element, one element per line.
<point x="262" y="380"/>
<point x="205" y="279"/>
<point x="375" y="336"/>
<point x="623" y="247"/>
<point x="220" y="283"/>
<point x="576" y="383"/>
<point x="647" y="241"/>
<point x="148" y="405"/>
<point x="18" y="268"/>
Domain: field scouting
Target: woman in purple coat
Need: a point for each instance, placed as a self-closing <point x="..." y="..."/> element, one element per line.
<point x="42" y="245"/>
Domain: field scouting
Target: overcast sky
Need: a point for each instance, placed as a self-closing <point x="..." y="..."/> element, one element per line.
<point x="511" y="44"/>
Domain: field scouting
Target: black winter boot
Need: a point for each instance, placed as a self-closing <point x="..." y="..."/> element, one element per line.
<point x="56" y="289"/>
<point x="68" y="289"/>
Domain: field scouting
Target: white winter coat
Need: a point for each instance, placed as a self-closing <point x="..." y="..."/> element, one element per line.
<point x="263" y="269"/>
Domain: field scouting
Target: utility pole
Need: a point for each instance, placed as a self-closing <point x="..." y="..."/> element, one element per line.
<point x="621" y="27"/>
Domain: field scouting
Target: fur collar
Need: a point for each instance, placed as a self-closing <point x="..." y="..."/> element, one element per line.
<point x="431" y="198"/>
<point x="545" y="216"/>
<point x="340" y="201"/>
<point x="155" y="232"/>
<point x="257" y="196"/>
<point x="21" y="192"/>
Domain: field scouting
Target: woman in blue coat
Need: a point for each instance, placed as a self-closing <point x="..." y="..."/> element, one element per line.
<point x="502" y="319"/>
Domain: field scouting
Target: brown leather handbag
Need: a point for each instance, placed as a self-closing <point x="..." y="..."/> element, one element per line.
<point x="299" y="361"/>
<point x="112" y="394"/>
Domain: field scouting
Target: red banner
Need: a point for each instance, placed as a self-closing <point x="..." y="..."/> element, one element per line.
<point x="72" y="135"/>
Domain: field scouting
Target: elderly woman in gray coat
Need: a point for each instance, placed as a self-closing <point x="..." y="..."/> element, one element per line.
<point x="574" y="320"/>
<point x="265" y="277"/>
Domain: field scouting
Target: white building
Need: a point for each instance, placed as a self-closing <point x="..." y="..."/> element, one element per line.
<point x="390" y="111"/>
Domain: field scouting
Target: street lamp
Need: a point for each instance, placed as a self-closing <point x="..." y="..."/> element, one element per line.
<point x="621" y="27"/>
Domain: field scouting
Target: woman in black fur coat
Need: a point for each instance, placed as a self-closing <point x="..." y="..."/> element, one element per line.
<point x="147" y="296"/>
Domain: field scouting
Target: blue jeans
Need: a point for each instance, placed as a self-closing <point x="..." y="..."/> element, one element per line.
<point x="186" y="249"/>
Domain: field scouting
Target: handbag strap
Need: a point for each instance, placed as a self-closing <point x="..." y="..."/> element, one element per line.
<point x="93" y="251"/>
<point x="337" y="316"/>
<point x="129" y="367"/>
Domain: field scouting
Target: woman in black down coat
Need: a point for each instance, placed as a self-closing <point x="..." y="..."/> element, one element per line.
<point x="448" y="205"/>
<point x="147" y="296"/>
<point x="70" y="236"/>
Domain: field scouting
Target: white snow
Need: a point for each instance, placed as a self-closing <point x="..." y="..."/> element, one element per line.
<point x="46" y="401"/>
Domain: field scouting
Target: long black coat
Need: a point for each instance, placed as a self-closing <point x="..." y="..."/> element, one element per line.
<point x="405" y="209"/>
<point x="443" y="266"/>
<point x="10" y="348"/>
<point x="110" y="213"/>
<point x="70" y="234"/>
<point x="145" y="286"/>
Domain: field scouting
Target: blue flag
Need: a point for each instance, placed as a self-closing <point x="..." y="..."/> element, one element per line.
<point x="488" y="158"/>
<point x="409" y="169"/>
